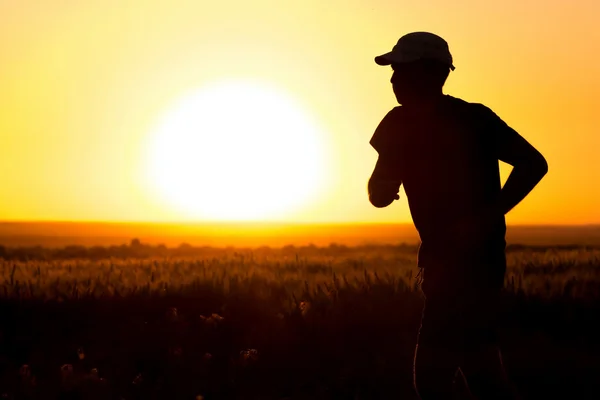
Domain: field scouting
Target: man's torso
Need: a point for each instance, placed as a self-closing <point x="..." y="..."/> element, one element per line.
<point x="448" y="167"/>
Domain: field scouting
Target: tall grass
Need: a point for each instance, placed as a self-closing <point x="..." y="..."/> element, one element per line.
<point x="331" y="323"/>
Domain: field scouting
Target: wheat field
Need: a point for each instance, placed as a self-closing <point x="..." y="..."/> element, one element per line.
<point x="150" y="322"/>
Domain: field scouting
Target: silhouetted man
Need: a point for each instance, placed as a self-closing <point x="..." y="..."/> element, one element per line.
<point x="445" y="152"/>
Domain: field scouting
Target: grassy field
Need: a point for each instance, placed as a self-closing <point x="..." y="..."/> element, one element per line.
<point x="336" y="322"/>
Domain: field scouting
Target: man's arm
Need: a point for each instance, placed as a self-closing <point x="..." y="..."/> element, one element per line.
<point x="529" y="166"/>
<point x="383" y="186"/>
<point x="385" y="181"/>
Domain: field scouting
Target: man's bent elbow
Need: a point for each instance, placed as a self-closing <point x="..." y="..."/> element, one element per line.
<point x="544" y="167"/>
<point x="535" y="166"/>
<point x="541" y="166"/>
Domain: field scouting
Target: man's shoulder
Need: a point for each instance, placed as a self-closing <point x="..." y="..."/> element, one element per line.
<point x="393" y="114"/>
<point x="458" y="102"/>
<point x="391" y="120"/>
<point x="388" y="129"/>
<point x="455" y="103"/>
<point x="468" y="105"/>
<point x="479" y="118"/>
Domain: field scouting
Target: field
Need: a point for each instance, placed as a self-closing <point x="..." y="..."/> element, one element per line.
<point x="336" y="322"/>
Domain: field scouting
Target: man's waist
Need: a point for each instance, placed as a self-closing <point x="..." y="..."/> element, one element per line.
<point x="488" y="251"/>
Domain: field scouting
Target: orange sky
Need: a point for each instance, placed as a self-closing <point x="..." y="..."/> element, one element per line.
<point x="83" y="83"/>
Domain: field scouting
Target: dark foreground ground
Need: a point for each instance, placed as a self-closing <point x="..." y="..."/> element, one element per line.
<point x="300" y="323"/>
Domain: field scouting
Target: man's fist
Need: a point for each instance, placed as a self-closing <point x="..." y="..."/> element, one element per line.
<point x="382" y="193"/>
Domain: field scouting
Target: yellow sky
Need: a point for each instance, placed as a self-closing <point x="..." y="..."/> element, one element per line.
<point x="83" y="83"/>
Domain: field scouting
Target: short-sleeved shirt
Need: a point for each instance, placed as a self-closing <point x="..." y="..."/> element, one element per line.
<point x="447" y="160"/>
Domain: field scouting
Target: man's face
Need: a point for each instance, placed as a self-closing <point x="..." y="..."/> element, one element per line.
<point x="415" y="80"/>
<point x="405" y="82"/>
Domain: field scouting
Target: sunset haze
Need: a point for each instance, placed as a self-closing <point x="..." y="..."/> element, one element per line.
<point x="85" y="84"/>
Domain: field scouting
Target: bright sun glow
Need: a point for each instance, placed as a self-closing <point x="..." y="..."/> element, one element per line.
<point x="236" y="151"/>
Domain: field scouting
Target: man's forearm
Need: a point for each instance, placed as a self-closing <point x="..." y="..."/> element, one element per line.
<point x="384" y="184"/>
<point x="519" y="184"/>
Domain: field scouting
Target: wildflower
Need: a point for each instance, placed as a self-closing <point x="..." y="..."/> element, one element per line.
<point x="332" y="293"/>
<point x="212" y="321"/>
<point x="172" y="314"/>
<point x="66" y="370"/>
<point x="138" y="379"/>
<point x="304" y="307"/>
<point x="94" y="376"/>
<point x="217" y="317"/>
<point x="248" y="356"/>
<point x="199" y="397"/>
<point x="25" y="371"/>
<point x="27" y="377"/>
<point x="176" y="351"/>
<point x="253" y="354"/>
<point x="80" y="353"/>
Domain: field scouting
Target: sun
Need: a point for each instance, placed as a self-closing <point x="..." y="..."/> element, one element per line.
<point x="236" y="151"/>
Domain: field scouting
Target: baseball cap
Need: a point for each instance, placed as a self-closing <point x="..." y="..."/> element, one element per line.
<point x="418" y="46"/>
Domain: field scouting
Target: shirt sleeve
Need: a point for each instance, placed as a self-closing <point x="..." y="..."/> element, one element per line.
<point x="502" y="137"/>
<point x="385" y="142"/>
<point x="384" y="133"/>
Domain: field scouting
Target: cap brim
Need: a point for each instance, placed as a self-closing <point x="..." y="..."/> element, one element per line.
<point x="384" y="59"/>
<point x="389" y="59"/>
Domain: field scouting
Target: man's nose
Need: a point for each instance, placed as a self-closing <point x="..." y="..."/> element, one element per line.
<point x="395" y="78"/>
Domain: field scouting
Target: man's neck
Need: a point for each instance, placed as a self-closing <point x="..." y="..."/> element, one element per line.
<point x="424" y="103"/>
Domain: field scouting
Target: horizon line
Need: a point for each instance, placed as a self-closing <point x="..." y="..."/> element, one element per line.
<point x="303" y="223"/>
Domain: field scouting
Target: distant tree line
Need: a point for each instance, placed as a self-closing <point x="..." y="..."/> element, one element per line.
<point x="137" y="249"/>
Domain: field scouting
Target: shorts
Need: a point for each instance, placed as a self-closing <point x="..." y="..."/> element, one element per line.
<point x="462" y="302"/>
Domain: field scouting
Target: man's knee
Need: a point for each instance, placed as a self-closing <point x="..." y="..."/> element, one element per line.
<point x="434" y="372"/>
<point x="486" y="375"/>
<point x="434" y="383"/>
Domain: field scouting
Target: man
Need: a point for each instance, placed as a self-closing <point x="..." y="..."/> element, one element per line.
<point x="445" y="152"/>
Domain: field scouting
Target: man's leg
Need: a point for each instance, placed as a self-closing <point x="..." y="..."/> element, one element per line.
<point x="437" y="355"/>
<point x="486" y="377"/>
<point x="482" y="364"/>
<point x="434" y="372"/>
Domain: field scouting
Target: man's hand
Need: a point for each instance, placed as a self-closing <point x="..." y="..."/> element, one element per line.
<point x="382" y="193"/>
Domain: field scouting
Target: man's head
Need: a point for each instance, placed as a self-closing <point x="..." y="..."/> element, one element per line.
<point x="421" y="62"/>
